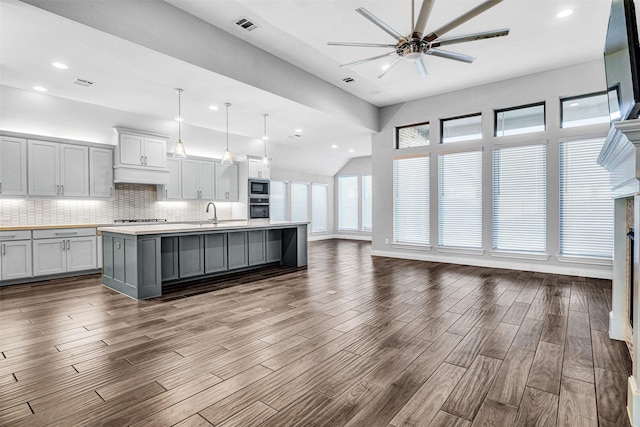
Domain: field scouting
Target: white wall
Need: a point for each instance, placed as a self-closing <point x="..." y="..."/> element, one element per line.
<point x="41" y="114"/>
<point x="547" y="86"/>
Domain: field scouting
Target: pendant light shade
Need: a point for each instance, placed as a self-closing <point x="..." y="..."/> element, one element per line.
<point x="179" y="150"/>
<point x="227" y="157"/>
<point x="266" y="160"/>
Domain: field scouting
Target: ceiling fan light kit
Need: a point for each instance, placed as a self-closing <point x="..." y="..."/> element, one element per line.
<point x="414" y="47"/>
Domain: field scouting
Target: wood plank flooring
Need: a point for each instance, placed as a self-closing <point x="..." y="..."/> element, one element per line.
<point x="351" y="340"/>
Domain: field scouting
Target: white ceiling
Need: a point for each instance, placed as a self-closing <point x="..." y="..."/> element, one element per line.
<point x="298" y="31"/>
<point x="133" y="78"/>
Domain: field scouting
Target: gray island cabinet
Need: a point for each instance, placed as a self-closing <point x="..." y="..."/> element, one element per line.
<point x="137" y="260"/>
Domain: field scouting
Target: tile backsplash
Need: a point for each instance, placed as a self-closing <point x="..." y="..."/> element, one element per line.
<point x="130" y="201"/>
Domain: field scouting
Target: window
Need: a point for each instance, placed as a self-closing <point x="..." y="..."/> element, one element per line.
<point x="586" y="110"/>
<point x="278" y="201"/>
<point x="319" y="208"/>
<point x="367" y="193"/>
<point x="519" y="198"/>
<point x="348" y="203"/>
<point x="517" y="120"/>
<point x="411" y="200"/>
<point x="460" y="199"/>
<point x="586" y="205"/>
<point x="465" y="128"/>
<point x="299" y="201"/>
<point x="412" y="136"/>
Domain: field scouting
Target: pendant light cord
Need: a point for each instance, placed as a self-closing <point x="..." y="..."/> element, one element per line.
<point x="179" y="115"/>
<point x="265" y="134"/>
<point x="227" y="105"/>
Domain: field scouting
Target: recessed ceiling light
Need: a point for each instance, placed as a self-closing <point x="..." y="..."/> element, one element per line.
<point x="213" y="107"/>
<point x="298" y="130"/>
<point x="386" y="66"/>
<point x="564" y="13"/>
<point x="40" y="88"/>
<point x="334" y="146"/>
<point x="352" y="150"/>
<point x="574" y="104"/>
<point x="179" y="119"/>
<point x="59" y="65"/>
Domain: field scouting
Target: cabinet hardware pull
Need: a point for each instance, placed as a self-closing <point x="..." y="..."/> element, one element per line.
<point x="64" y="245"/>
<point x="111" y="191"/>
<point x="166" y="193"/>
<point x="145" y="160"/>
<point x="66" y="233"/>
<point x="69" y="244"/>
<point x="11" y="236"/>
<point x="4" y="249"/>
<point x="62" y="188"/>
<point x="57" y="189"/>
<point x="0" y="188"/>
<point x="142" y="160"/>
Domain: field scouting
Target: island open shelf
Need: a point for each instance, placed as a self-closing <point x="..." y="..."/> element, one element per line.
<point x="138" y="260"/>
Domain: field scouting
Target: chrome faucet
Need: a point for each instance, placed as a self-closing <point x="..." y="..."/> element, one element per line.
<point x="215" y="212"/>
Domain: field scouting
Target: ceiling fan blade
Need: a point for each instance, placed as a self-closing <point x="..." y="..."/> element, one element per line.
<point x="423" y="17"/>
<point x="422" y="70"/>
<point x="471" y="37"/>
<point x="362" y="61"/>
<point x="393" y="64"/>
<point x="451" y="55"/>
<point x="360" y="44"/>
<point x="482" y="7"/>
<point x="371" y="17"/>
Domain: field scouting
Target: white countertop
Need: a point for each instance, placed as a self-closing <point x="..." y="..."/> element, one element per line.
<point x="164" y="228"/>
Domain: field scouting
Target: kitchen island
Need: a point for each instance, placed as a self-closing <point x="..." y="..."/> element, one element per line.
<point x="138" y="260"/>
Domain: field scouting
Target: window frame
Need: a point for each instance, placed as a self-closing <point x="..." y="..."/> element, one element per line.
<point x="519" y="107"/>
<point x="397" y="144"/>
<point x="586" y="95"/>
<point x="357" y="228"/>
<point x="312" y="222"/>
<point x="456" y="118"/>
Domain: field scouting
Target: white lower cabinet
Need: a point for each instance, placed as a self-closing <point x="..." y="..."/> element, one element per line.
<point x="15" y="256"/>
<point x="64" y="250"/>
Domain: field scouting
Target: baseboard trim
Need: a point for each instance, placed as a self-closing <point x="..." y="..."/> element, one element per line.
<point x="510" y="264"/>
<point x="317" y="237"/>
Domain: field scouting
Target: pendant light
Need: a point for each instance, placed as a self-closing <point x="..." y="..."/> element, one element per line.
<point x="227" y="157"/>
<point x="266" y="160"/>
<point x="179" y="150"/>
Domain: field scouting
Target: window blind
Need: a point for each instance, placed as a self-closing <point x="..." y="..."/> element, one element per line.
<point x="319" y="208"/>
<point x="586" y="204"/>
<point x="348" y="203"/>
<point x="299" y="201"/>
<point x="278" y="201"/>
<point x="367" y="207"/>
<point x="460" y="199"/>
<point x="519" y="198"/>
<point x="411" y="200"/>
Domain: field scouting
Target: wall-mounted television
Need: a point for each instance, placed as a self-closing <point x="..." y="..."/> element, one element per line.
<point x="622" y="60"/>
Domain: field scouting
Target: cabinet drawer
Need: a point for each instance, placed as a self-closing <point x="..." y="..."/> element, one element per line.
<point x="15" y="235"/>
<point x="59" y="233"/>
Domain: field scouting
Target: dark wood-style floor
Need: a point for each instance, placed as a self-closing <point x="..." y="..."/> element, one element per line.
<point x="351" y="340"/>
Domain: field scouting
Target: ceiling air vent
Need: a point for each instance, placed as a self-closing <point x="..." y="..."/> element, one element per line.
<point x="246" y="24"/>
<point x="348" y="80"/>
<point x="83" y="82"/>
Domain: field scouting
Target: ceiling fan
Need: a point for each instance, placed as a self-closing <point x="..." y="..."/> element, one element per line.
<point x="413" y="47"/>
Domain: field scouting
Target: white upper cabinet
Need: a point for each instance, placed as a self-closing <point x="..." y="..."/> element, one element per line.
<point x="172" y="190"/>
<point x="197" y="179"/>
<point x="13" y="166"/>
<point x="226" y="182"/>
<point x="74" y="170"/>
<point x="58" y="169"/>
<point x="257" y="169"/>
<point x="100" y="172"/>
<point x="140" y="157"/>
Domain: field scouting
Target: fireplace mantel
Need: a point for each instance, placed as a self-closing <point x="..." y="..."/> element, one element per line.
<point x="620" y="155"/>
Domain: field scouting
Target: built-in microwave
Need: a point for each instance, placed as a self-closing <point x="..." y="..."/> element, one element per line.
<point x="258" y="188"/>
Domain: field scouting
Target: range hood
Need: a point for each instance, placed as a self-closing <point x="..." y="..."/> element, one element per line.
<point x="140" y="157"/>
